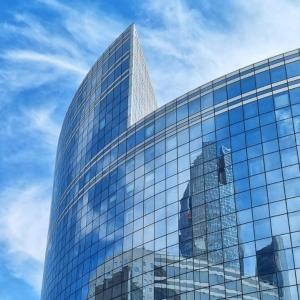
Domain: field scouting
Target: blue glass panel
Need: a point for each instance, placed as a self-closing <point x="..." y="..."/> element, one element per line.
<point x="256" y="166"/>
<point x="292" y="187"/>
<point x="285" y="127"/>
<point x="222" y="133"/>
<point x="238" y="156"/>
<point x="160" y="148"/>
<point x="195" y="131"/>
<point x="272" y="161"/>
<point x="262" y="228"/>
<point x="253" y="137"/>
<point x="208" y="126"/>
<point x="160" y="124"/>
<point x="183" y="137"/>
<point x="182" y="112"/>
<point x="171" y="118"/>
<point x="267" y="118"/>
<point x="243" y="200"/>
<point x="275" y="192"/>
<point x="262" y="79"/>
<point x="194" y="106"/>
<point x="252" y="123"/>
<point x="293" y="69"/>
<point x="221" y="120"/>
<point x="295" y="95"/>
<point x="289" y="157"/>
<point x="149" y="130"/>
<point x="265" y="105"/>
<point x="206" y="100"/>
<point x="259" y="196"/>
<point x="236" y="115"/>
<point x="269" y="132"/>
<point x="250" y="110"/>
<point x="254" y="151"/>
<point x="220" y="95"/>
<point x="240" y="170"/>
<point x="248" y="84"/>
<point x="238" y="142"/>
<point x="278" y="74"/>
<point x="233" y="89"/>
<point x="237" y="128"/>
<point x="246" y="233"/>
<point x="281" y="100"/>
<point x="140" y="136"/>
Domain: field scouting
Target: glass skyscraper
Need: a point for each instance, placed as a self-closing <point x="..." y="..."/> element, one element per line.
<point x="196" y="199"/>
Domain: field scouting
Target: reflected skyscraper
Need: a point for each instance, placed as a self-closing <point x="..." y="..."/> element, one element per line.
<point x="196" y="199"/>
<point x="208" y="198"/>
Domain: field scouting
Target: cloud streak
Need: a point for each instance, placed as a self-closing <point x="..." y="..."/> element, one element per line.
<point x="23" y="226"/>
<point x="199" y="49"/>
<point x="48" y="59"/>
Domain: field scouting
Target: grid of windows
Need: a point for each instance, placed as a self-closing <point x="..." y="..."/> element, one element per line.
<point x="200" y="200"/>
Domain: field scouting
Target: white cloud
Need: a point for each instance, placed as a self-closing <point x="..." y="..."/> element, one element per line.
<point x="23" y="229"/>
<point x="37" y="129"/>
<point x="41" y="121"/>
<point x="59" y="62"/>
<point x="199" y="52"/>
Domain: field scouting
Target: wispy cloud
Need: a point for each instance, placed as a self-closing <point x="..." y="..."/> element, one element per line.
<point x="199" y="49"/>
<point x="41" y="121"/>
<point x="59" y="62"/>
<point x="23" y="228"/>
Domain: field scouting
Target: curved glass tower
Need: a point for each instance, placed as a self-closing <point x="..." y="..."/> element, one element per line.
<point x="197" y="199"/>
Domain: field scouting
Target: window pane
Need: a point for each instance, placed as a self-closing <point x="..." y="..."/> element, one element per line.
<point x="248" y="84"/>
<point x="206" y="100"/>
<point x="182" y="112"/>
<point x="293" y="69"/>
<point x="220" y="95"/>
<point x="233" y="89"/>
<point x="295" y="95"/>
<point x="194" y="106"/>
<point x="280" y="225"/>
<point x="281" y="100"/>
<point x="278" y="74"/>
<point x="262" y="79"/>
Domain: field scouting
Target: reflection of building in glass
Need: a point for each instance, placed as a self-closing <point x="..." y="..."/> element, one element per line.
<point x="270" y="264"/>
<point x="206" y="206"/>
<point x="149" y="277"/>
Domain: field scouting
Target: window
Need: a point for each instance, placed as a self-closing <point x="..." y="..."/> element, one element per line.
<point x="262" y="79"/>
<point x="182" y="112"/>
<point x="250" y="110"/>
<point x="220" y="95"/>
<point x="171" y="118"/>
<point x="295" y="95"/>
<point x="207" y="100"/>
<point x="194" y="106"/>
<point x="281" y="100"/>
<point x="221" y="120"/>
<point x="280" y="225"/>
<point x="208" y="126"/>
<point x="262" y="229"/>
<point x="233" y="89"/>
<point x="248" y="84"/>
<point x="236" y="115"/>
<point x="293" y="69"/>
<point x="278" y="74"/>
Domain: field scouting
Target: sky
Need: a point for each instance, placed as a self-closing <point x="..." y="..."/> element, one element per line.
<point x="47" y="47"/>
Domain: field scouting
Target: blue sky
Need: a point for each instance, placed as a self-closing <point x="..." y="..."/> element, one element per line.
<point x="46" y="48"/>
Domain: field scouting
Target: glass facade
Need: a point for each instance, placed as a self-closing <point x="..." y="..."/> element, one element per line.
<point x="198" y="199"/>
